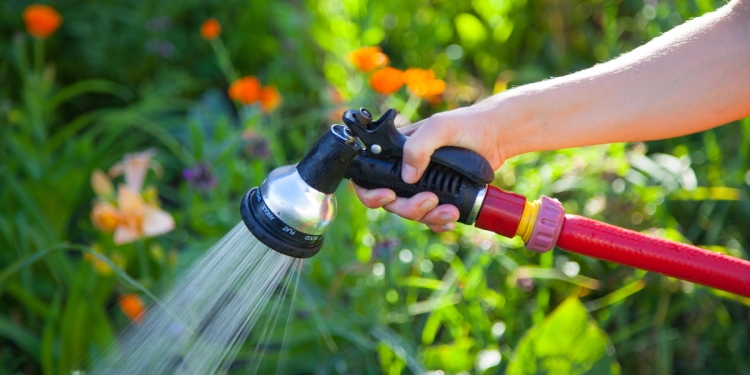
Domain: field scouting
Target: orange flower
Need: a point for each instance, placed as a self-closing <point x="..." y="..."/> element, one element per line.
<point x="423" y="84"/>
<point x="269" y="98"/>
<point x="413" y="76"/>
<point x="367" y="59"/>
<point x="132" y="306"/>
<point x="105" y="216"/>
<point x="387" y="80"/>
<point x="210" y="29"/>
<point x="245" y="90"/>
<point x="428" y="89"/>
<point x="41" y="20"/>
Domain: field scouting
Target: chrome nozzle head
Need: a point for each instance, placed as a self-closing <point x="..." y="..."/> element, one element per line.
<point x="288" y="215"/>
<point x="295" y="205"/>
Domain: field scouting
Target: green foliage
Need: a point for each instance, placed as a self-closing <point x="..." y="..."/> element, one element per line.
<point x="385" y="295"/>
<point x="567" y="341"/>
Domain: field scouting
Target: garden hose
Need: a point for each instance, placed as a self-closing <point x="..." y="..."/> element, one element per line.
<point x="292" y="209"/>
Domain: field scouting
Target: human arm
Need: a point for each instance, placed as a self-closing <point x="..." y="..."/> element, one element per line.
<point x="692" y="78"/>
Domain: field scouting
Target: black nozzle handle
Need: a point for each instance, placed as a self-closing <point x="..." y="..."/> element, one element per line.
<point x="390" y="144"/>
<point x="450" y="186"/>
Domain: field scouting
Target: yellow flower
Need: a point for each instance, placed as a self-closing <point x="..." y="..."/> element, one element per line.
<point x="151" y="195"/>
<point x="133" y="307"/>
<point x="139" y="219"/>
<point x="367" y="59"/>
<point x="387" y="80"/>
<point x="245" y="90"/>
<point x="100" y="266"/>
<point x="210" y="29"/>
<point x="105" y="216"/>
<point x="41" y="20"/>
<point x="270" y="99"/>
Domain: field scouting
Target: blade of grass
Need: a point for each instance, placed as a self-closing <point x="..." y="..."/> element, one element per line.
<point x="47" y="347"/>
<point x="100" y="86"/>
<point x="20" y="336"/>
<point x="617" y="295"/>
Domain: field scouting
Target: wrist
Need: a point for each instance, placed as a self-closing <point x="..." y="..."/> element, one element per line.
<point x="513" y="118"/>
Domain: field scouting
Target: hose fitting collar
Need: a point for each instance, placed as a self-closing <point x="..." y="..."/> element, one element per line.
<point x="548" y="225"/>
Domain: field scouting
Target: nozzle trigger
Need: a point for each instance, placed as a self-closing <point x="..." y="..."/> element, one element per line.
<point x="384" y="141"/>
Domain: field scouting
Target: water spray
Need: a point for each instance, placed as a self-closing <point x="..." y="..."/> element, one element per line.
<point x="292" y="209"/>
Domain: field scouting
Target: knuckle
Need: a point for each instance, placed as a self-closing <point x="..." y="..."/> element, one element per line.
<point x="441" y="121"/>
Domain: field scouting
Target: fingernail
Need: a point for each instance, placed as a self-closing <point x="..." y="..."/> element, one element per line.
<point x="428" y="205"/>
<point x="445" y="216"/>
<point x="385" y="200"/>
<point x="409" y="174"/>
<point x="449" y="226"/>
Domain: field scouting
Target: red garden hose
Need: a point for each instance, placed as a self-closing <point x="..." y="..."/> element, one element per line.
<point x="542" y="224"/>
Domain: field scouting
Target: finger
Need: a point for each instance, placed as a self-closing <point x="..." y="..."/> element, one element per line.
<point x="414" y="208"/>
<point x="442" y="228"/>
<point x="420" y="146"/>
<point x="442" y="214"/>
<point x="375" y="198"/>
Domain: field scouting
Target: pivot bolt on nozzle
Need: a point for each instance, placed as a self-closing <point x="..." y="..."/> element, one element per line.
<point x="363" y="116"/>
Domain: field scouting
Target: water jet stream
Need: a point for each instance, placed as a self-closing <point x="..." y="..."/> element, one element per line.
<point x="209" y="314"/>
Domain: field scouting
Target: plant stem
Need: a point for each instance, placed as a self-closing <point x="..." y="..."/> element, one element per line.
<point x="411" y="106"/>
<point x="224" y="61"/>
<point x="143" y="259"/>
<point x="38" y="55"/>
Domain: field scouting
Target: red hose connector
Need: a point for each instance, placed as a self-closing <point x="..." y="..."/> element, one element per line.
<point x="501" y="212"/>
<point x="607" y="242"/>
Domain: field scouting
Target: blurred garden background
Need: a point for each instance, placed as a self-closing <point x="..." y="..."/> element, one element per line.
<point x="129" y="130"/>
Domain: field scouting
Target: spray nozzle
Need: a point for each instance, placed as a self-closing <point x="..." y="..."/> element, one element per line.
<point x="295" y="205"/>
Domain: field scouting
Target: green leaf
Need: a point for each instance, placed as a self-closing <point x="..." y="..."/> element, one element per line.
<point x="567" y="341"/>
<point x="20" y="336"/>
<point x="453" y="358"/>
<point x="470" y="29"/>
<point x="90" y="86"/>
<point x="47" y="349"/>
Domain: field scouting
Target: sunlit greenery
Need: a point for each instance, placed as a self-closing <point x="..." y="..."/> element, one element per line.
<point x="384" y="295"/>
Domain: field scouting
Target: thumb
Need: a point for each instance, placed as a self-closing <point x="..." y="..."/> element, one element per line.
<point x="410" y="129"/>
<point x="427" y="138"/>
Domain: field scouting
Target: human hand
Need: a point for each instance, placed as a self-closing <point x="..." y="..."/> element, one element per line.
<point x="474" y="128"/>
